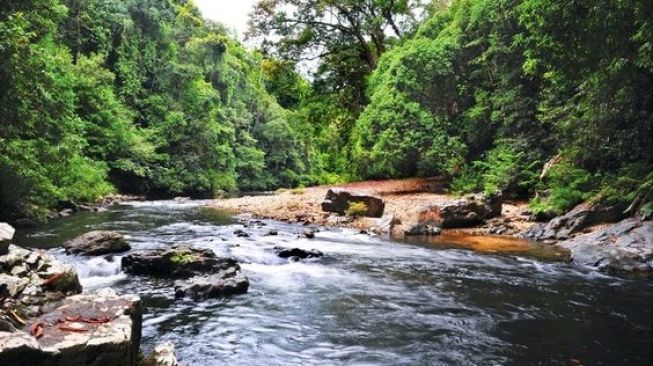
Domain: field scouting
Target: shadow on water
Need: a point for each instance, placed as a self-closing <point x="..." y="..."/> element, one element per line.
<point x="448" y="300"/>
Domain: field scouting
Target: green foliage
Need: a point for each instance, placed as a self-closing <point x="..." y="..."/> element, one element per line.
<point x="183" y="258"/>
<point x="148" y="97"/>
<point x="640" y="199"/>
<point x="41" y="134"/>
<point x="399" y="136"/>
<point x="567" y="186"/>
<point x="356" y="209"/>
<point x="145" y="96"/>
<point x="487" y="91"/>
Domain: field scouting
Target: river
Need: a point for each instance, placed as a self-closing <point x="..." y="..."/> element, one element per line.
<point x="368" y="301"/>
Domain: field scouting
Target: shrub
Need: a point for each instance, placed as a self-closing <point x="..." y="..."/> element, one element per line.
<point x="510" y="170"/>
<point x="356" y="209"/>
<point x="567" y="186"/>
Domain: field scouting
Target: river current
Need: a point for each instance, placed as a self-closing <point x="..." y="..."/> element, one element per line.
<point x="368" y="301"/>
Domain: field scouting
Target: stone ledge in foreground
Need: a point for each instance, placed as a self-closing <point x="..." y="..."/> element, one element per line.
<point x="100" y="329"/>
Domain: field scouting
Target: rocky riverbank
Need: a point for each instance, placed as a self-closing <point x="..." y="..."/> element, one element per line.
<point x="46" y="319"/>
<point x="596" y="236"/>
<point x="67" y="209"/>
<point x="403" y="201"/>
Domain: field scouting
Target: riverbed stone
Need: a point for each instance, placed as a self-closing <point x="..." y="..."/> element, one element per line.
<point x="466" y="212"/>
<point x="241" y="233"/>
<point x="626" y="246"/>
<point x="99" y="329"/>
<point x="179" y="261"/>
<point x="97" y="243"/>
<point x="338" y="200"/>
<point x="575" y="221"/>
<point x="224" y="283"/>
<point x="423" y="229"/>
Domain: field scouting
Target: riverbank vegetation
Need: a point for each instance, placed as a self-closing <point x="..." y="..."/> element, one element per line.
<point x="548" y="100"/>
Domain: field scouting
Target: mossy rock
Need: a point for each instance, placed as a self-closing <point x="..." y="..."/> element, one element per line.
<point x="180" y="261"/>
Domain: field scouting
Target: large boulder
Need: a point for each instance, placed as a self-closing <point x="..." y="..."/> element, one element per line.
<point x="223" y="283"/>
<point x="6" y="234"/>
<point x="575" y="221"/>
<point x="100" y="329"/>
<point x="207" y="274"/>
<point x="179" y="261"/>
<point x="467" y="212"/>
<point x="338" y="200"/>
<point x="30" y="279"/>
<point x="626" y="246"/>
<point x="97" y="243"/>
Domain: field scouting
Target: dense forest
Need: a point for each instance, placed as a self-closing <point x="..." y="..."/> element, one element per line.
<point x="547" y="100"/>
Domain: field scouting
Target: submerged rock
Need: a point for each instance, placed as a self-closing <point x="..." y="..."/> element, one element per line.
<point x="467" y="212"/>
<point x="223" y="283"/>
<point x="310" y="234"/>
<point x="179" y="261"/>
<point x="297" y="253"/>
<point x="97" y="243"/>
<point x="241" y="233"/>
<point x="623" y="247"/>
<point x="83" y="330"/>
<point x="338" y="200"/>
<point x="29" y="279"/>
<point x="579" y="218"/>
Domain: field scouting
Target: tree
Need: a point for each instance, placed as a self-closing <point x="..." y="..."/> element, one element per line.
<point x="318" y="28"/>
<point x="342" y="39"/>
<point x="41" y="143"/>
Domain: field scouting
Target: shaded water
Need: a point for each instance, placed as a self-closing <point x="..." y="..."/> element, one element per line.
<point x="370" y="301"/>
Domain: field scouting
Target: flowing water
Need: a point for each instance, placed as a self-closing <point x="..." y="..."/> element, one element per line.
<point x="369" y="301"/>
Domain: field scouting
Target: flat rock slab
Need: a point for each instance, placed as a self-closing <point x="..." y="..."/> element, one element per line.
<point x="338" y="200"/>
<point x="97" y="243"/>
<point x="101" y="329"/>
<point x="623" y="247"/>
<point x="179" y="261"/>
